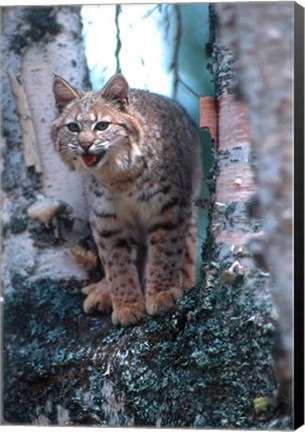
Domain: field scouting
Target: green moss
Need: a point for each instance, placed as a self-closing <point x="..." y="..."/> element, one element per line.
<point x="230" y="209"/>
<point x="222" y="70"/>
<point x="213" y="173"/>
<point x="17" y="224"/>
<point x="44" y="236"/>
<point x="261" y="405"/>
<point x="18" y="43"/>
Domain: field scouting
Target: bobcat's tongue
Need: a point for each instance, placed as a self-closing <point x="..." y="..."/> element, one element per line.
<point x="89" y="159"/>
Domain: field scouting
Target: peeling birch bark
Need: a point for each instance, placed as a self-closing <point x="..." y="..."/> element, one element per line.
<point x="30" y="148"/>
<point x="208" y="116"/>
<point x="232" y="231"/>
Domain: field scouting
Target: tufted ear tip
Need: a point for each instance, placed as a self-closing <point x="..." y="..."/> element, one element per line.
<point x="64" y="93"/>
<point x="116" y="89"/>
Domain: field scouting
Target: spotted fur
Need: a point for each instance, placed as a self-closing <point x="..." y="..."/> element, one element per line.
<point x="141" y="155"/>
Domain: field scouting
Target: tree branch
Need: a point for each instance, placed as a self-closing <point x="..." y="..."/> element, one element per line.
<point x="118" y="10"/>
<point x="174" y="66"/>
<point x="175" y="63"/>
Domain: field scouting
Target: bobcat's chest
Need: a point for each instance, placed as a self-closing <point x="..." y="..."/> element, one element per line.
<point x="134" y="207"/>
<point x="133" y="211"/>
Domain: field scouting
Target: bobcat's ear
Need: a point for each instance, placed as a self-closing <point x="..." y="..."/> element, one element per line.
<point x="116" y="89"/>
<point x="64" y="92"/>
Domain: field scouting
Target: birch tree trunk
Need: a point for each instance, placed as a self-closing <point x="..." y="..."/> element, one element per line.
<point x="36" y="44"/>
<point x="261" y="36"/>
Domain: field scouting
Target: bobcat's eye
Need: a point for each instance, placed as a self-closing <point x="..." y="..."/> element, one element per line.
<point x="73" y="127"/>
<point x="102" y="125"/>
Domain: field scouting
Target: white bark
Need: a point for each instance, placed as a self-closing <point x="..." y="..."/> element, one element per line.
<point x="31" y="72"/>
<point x="39" y="64"/>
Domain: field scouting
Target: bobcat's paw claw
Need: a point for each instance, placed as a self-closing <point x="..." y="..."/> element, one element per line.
<point x="129" y="314"/>
<point x="98" y="298"/>
<point x="160" y="303"/>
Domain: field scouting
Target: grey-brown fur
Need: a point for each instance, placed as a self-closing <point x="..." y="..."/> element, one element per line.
<point x="141" y="155"/>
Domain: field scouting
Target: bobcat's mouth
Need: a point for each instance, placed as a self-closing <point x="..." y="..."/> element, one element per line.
<point x="91" y="159"/>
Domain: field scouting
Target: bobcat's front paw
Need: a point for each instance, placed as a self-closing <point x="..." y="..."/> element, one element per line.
<point x="160" y="303"/>
<point x="128" y="314"/>
<point x="98" y="298"/>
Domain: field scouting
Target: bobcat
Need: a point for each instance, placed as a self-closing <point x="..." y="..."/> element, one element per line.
<point x="141" y="155"/>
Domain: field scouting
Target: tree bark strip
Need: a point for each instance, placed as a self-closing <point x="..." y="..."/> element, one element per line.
<point x="30" y="148"/>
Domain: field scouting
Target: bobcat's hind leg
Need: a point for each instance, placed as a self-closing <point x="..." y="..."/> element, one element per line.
<point x="98" y="298"/>
<point x="165" y="261"/>
<point x="190" y="256"/>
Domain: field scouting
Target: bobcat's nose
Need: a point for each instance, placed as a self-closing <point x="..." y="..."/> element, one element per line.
<point x="85" y="145"/>
<point x="85" y="139"/>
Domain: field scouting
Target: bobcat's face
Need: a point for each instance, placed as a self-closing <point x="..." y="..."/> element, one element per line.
<point x="92" y="136"/>
<point x="93" y="131"/>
